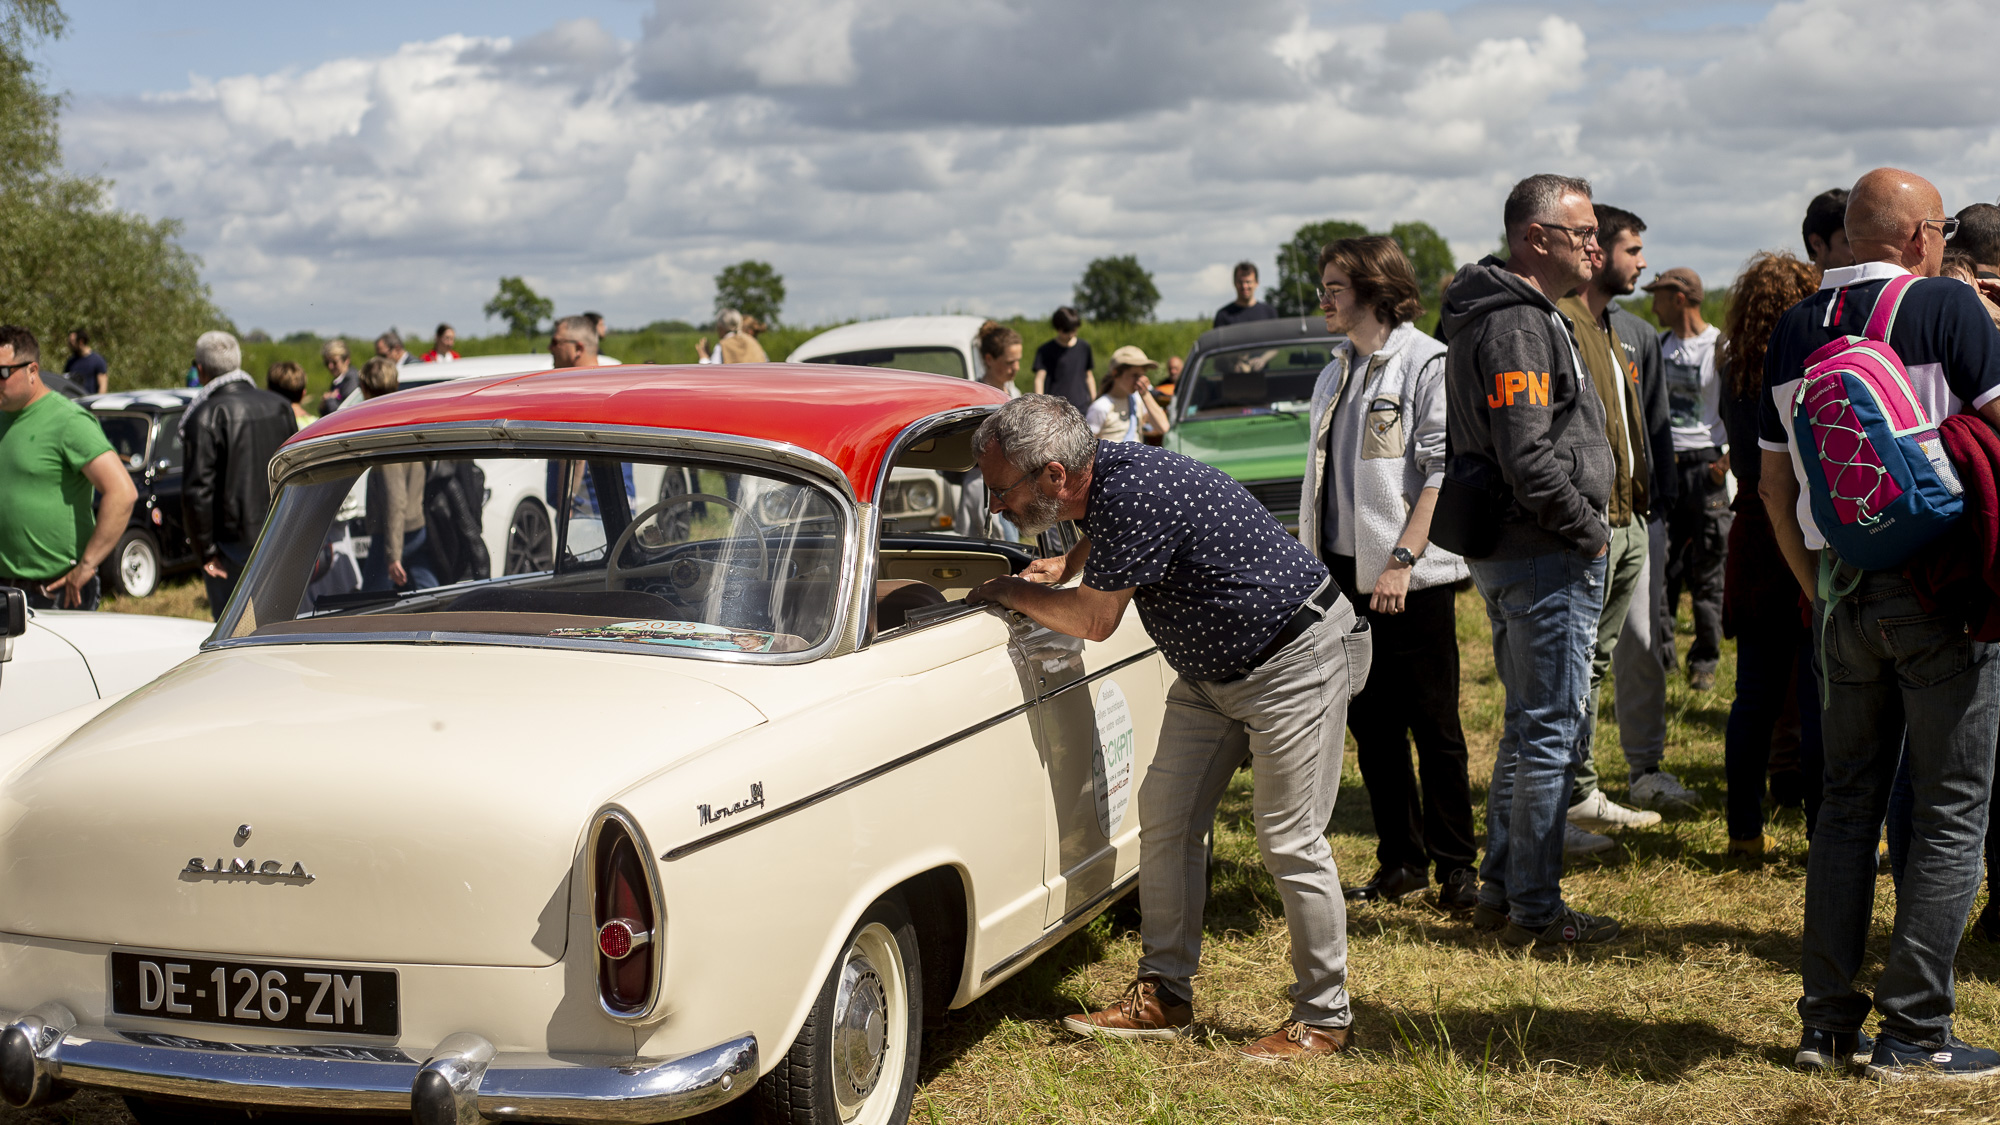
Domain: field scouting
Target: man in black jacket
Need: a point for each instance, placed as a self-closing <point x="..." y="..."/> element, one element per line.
<point x="228" y="435"/>
<point x="1525" y="501"/>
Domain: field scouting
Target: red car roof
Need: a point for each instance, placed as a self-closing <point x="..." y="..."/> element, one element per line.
<point x="848" y="415"/>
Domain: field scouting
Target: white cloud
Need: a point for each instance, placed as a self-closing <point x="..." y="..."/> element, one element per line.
<point x="896" y="155"/>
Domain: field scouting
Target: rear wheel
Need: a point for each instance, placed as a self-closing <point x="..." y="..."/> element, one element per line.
<point x="855" y="1060"/>
<point x="134" y="566"/>
<point x="531" y="539"/>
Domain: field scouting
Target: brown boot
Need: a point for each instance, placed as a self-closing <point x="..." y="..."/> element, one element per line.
<point x="1298" y="1040"/>
<point x="1142" y="1013"/>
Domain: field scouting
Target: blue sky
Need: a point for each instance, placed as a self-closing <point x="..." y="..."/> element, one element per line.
<point x="346" y="167"/>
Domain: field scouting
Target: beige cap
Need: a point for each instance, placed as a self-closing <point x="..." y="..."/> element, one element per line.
<point x="1681" y="278"/>
<point x="1131" y="356"/>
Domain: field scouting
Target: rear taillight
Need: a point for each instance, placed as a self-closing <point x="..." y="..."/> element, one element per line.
<point x="626" y="918"/>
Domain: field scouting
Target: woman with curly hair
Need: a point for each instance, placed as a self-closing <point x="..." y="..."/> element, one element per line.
<point x="1760" y="599"/>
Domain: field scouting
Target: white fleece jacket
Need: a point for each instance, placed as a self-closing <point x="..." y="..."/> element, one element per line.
<point x="1402" y="453"/>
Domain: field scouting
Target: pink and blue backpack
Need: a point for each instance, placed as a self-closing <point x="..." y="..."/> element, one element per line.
<point x="1880" y="483"/>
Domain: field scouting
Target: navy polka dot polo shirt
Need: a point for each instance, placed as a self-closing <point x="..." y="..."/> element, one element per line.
<point x="1217" y="575"/>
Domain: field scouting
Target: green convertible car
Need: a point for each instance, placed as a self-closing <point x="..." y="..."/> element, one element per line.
<point x="1242" y="404"/>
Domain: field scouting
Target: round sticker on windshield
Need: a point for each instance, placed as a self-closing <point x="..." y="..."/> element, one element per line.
<point x="1111" y="763"/>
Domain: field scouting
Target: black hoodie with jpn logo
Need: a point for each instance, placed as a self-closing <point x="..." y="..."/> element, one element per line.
<point x="1521" y="421"/>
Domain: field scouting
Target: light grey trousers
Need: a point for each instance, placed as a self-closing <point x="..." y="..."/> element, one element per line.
<point x="1637" y="668"/>
<point x="1290" y="717"/>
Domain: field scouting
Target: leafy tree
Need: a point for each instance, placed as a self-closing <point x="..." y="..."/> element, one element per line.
<point x="1297" y="291"/>
<point x="1116" y="290"/>
<point x="1430" y="257"/>
<point x="751" y="288"/>
<point x="71" y="260"/>
<point x="521" y="307"/>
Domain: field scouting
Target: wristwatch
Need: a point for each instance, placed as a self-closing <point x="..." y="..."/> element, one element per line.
<point x="1403" y="555"/>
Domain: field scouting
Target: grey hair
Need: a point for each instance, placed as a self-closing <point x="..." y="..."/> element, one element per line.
<point x="728" y="320"/>
<point x="1034" y="430"/>
<point x="1536" y="198"/>
<point x="217" y="353"/>
<point x="580" y="330"/>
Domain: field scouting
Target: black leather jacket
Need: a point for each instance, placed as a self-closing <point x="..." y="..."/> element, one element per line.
<point x="229" y="440"/>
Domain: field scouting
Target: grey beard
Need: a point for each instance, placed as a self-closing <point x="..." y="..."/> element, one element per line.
<point x="1044" y="512"/>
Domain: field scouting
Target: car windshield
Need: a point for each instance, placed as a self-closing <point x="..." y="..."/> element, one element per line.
<point x="668" y="556"/>
<point x="934" y="361"/>
<point x="1272" y="378"/>
<point x="128" y="434"/>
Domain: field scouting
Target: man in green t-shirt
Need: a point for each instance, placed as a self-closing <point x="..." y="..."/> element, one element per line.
<point x="52" y="454"/>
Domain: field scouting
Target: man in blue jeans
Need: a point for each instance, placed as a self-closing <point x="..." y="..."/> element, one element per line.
<point x="1529" y="449"/>
<point x="1891" y="665"/>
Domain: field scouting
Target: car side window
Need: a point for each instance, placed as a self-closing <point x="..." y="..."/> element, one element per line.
<point x="167" y="446"/>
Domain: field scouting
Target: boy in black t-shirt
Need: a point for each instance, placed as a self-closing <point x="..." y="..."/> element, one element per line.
<point x="86" y="370"/>
<point x="1064" y="365"/>
<point x="1246" y="307"/>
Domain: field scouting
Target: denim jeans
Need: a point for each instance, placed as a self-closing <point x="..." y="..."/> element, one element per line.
<point x="1893" y="667"/>
<point x="1544" y="611"/>
<point x="416" y="564"/>
<point x="1625" y="575"/>
<point x="1290" y="716"/>
<point x="92" y="591"/>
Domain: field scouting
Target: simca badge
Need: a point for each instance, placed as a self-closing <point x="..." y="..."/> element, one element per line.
<point x="249" y="869"/>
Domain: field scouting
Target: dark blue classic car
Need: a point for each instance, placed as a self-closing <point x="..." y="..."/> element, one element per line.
<point x="144" y="429"/>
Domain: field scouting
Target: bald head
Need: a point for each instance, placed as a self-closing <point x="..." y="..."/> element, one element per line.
<point x="1888" y="220"/>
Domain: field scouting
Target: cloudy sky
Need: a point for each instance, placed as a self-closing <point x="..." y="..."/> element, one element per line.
<point x="344" y="167"/>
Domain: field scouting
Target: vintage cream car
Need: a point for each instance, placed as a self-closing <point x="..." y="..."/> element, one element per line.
<point x="729" y="801"/>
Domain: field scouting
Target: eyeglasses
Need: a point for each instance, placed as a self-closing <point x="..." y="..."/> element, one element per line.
<point x="7" y="369"/>
<point x="560" y="342"/>
<point x="1584" y="235"/>
<point x="1327" y="292"/>
<point x="1946" y="227"/>
<point x="1024" y="478"/>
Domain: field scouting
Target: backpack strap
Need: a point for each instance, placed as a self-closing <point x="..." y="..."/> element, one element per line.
<point x="1883" y="318"/>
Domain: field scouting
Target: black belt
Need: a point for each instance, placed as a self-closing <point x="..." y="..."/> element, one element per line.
<point x="1302" y="619"/>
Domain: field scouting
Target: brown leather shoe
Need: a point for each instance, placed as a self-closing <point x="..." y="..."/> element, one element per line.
<point x="1142" y="1013"/>
<point x="1298" y="1040"/>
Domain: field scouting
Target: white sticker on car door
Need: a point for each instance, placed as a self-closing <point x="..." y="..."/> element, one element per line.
<point x="1111" y="764"/>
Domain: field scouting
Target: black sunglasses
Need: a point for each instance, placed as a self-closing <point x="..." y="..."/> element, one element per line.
<point x="7" y="369"/>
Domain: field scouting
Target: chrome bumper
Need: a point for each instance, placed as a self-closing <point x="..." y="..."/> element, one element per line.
<point x="45" y="1056"/>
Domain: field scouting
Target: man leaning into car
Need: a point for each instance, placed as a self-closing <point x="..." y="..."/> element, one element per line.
<point x="1260" y="636"/>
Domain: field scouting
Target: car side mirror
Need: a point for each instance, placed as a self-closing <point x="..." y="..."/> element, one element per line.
<point x="16" y="619"/>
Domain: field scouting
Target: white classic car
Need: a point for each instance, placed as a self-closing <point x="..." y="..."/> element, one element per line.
<point x="54" y="660"/>
<point x="727" y="801"/>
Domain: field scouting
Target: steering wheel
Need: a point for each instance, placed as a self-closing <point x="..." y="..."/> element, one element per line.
<point x="614" y="575"/>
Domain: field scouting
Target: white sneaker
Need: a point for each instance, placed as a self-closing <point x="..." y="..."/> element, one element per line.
<point x="1662" y="790"/>
<point x="1577" y="842"/>
<point x="1599" y="813"/>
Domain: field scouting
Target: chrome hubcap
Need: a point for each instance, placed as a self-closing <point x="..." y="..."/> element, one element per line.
<point x="137" y="571"/>
<point x="861" y="1011"/>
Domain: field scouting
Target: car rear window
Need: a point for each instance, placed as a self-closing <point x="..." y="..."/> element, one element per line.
<point x="1264" y="379"/>
<point x="934" y="361"/>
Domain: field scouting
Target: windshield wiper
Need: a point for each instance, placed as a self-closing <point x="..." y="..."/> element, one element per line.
<point x="355" y="598"/>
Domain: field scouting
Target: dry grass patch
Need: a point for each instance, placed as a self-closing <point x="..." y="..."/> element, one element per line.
<point x="184" y="596"/>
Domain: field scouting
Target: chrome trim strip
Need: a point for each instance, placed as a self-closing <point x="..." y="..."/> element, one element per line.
<point x="1102" y="672"/>
<point x="654" y="949"/>
<point x="868" y="775"/>
<point x="522" y="1087"/>
<point x="505" y="433"/>
<point x="1070" y="923"/>
<point x="838" y="788"/>
<point x="511" y="640"/>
